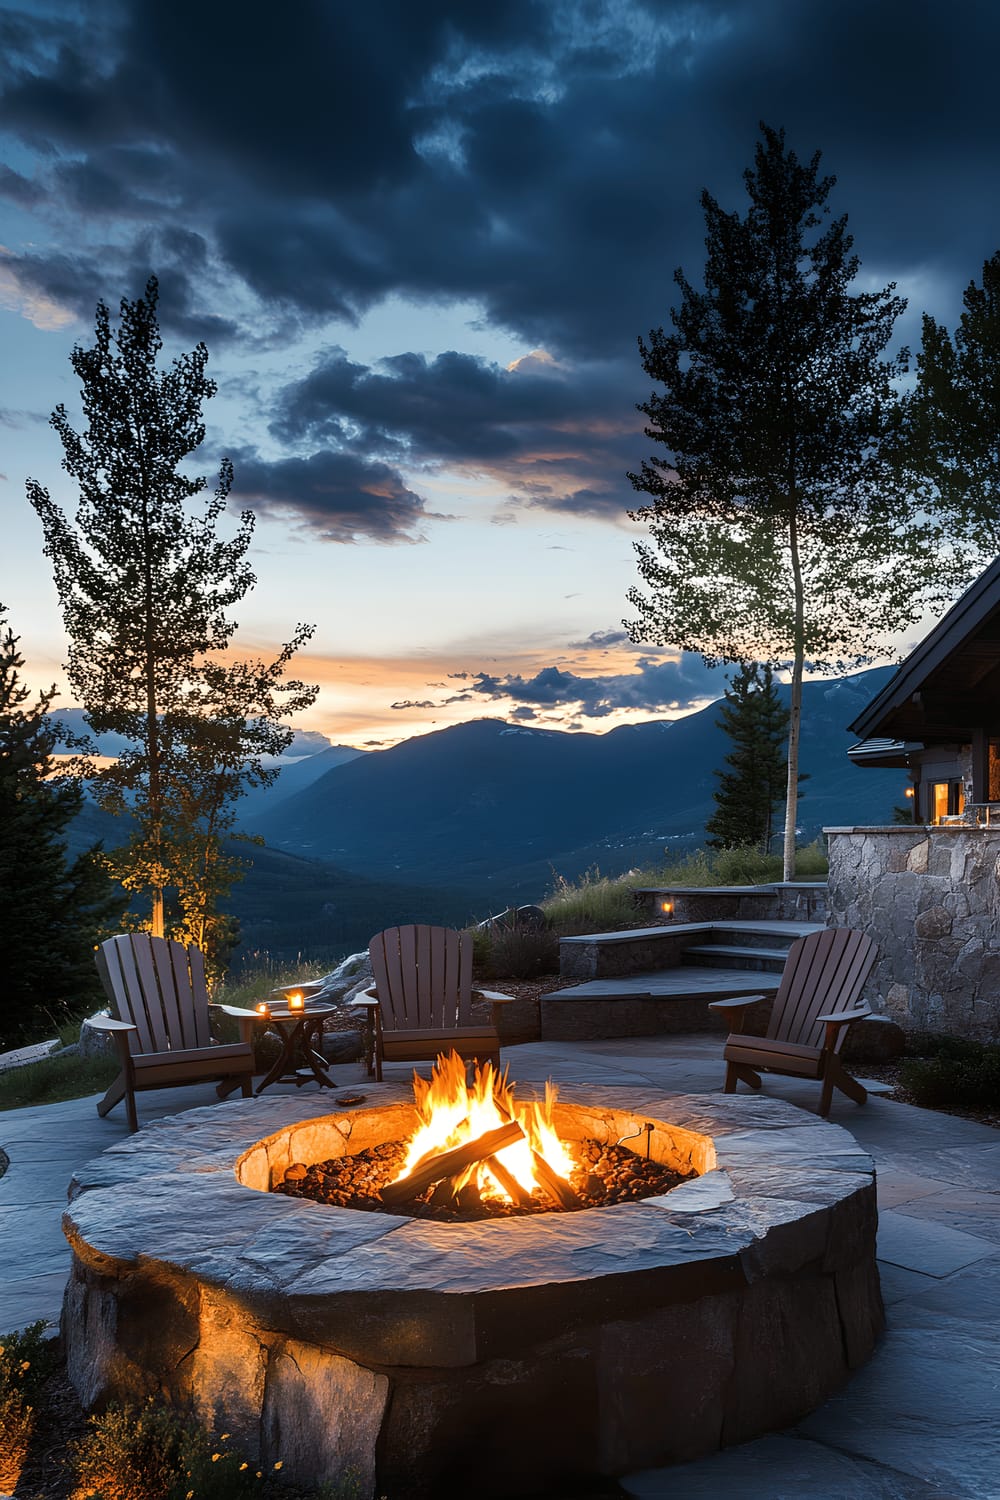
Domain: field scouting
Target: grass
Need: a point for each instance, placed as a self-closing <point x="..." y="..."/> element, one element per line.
<point x="54" y="1079"/>
<point x="602" y="903"/>
<point x="596" y="902"/>
<point x="259" y="973"/>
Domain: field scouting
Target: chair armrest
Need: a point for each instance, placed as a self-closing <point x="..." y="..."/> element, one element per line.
<point x="494" y="996"/>
<point x="238" y="1011"/>
<point x="108" y="1023"/>
<point x="738" y="1002"/>
<point x="739" y="1005"/>
<point x="842" y="1017"/>
<point x="359" y="1004"/>
<point x="307" y="987"/>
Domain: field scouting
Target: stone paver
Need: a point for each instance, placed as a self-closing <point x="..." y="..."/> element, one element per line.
<point x="930" y="1248"/>
<point x="917" y="1423"/>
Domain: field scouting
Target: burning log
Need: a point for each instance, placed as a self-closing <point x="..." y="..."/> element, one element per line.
<point x="450" y="1163"/>
<point x="515" y="1192"/>
<point x="554" y="1185"/>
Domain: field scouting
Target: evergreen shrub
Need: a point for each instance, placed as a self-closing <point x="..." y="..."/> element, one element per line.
<point x="953" y="1073"/>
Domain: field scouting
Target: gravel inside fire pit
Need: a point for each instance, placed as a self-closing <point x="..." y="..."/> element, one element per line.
<point x="604" y="1175"/>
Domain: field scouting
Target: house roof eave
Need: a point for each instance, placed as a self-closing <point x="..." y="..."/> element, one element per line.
<point x="968" y="612"/>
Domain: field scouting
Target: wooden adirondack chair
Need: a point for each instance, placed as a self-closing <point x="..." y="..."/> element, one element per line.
<point x="816" y="1002"/>
<point x="160" y="1023"/>
<point x="421" y="1002"/>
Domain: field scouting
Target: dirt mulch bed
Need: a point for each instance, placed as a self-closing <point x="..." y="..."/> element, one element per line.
<point x="891" y="1073"/>
<point x="60" y="1422"/>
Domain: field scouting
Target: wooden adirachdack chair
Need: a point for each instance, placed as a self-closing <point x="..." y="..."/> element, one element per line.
<point x="816" y="1002"/>
<point x="160" y="1021"/>
<point x="421" y="1002"/>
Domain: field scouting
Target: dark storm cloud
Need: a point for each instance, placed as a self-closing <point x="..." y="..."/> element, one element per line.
<point x="656" y="685"/>
<point x="541" y="158"/>
<point x="554" y="434"/>
<point x="19" y="189"/>
<point x="545" y="159"/>
<point x="77" y="281"/>
<point x="336" y="496"/>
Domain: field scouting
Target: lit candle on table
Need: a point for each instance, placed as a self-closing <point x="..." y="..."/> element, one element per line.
<point x="296" y="1002"/>
<point x="263" y="1009"/>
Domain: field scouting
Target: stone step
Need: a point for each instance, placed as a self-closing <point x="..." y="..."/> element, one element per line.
<point x="773" y="935"/>
<point x="735" y="956"/>
<point x="653" y="1004"/>
<point x="679" y="983"/>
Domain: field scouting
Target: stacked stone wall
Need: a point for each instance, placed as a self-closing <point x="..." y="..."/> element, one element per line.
<point x="931" y="899"/>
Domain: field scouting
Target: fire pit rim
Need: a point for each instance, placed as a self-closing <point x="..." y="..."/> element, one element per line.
<point x="229" y="1300"/>
<point x="775" y="1164"/>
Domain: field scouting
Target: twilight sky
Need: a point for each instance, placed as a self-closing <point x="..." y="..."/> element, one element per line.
<point x="420" y="238"/>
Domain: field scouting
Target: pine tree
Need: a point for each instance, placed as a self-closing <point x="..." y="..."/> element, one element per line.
<point x="146" y="583"/>
<point x="953" y="419"/>
<point x="51" y="910"/>
<point x="756" y="721"/>
<point x="778" y="532"/>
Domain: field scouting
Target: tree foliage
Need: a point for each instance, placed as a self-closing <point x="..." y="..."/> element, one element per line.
<point x="778" y="530"/>
<point x="953" y="426"/>
<point x="146" y="584"/>
<point x="51" y="911"/>
<point x="756" y="721"/>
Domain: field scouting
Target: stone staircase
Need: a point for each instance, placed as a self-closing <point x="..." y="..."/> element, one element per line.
<point x="652" y="980"/>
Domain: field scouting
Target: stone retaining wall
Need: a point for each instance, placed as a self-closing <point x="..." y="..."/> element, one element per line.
<point x="780" y="901"/>
<point x="931" y="899"/>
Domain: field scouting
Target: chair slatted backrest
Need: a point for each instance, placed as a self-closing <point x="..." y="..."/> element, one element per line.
<point x="423" y="977"/>
<point x="158" y="985"/>
<point x="824" y="973"/>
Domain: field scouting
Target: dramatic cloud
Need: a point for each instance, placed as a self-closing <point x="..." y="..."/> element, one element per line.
<point x="561" y="437"/>
<point x="674" y="685"/>
<point x="542" y="159"/>
<point x="335" y="495"/>
<point x="283" y="168"/>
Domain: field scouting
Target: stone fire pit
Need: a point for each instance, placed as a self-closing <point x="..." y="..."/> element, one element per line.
<point x="402" y="1356"/>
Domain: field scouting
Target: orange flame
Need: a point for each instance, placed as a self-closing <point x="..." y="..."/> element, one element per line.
<point x="451" y="1113"/>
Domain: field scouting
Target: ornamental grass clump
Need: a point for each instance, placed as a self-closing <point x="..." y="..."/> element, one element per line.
<point x="154" y="1453"/>
<point x="516" y="950"/>
<point x="594" y="903"/>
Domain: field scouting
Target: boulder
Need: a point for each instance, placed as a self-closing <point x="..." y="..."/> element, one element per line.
<point x="342" y="1046"/>
<point x="875" y="1039"/>
<point x="94" y="1043"/>
<point x="351" y="974"/>
<point x="530" y="917"/>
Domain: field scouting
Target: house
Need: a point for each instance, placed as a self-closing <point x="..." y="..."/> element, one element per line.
<point x="929" y="890"/>
<point x="939" y="716"/>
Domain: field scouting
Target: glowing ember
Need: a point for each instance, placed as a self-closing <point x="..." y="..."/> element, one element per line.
<point x="453" y="1114"/>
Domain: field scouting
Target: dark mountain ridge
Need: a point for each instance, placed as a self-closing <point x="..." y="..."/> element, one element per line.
<point x="485" y="802"/>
